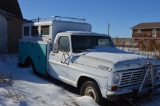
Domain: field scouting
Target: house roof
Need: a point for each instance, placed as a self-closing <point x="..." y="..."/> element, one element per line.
<point x="147" y="25"/>
<point x="12" y="7"/>
<point x="5" y="14"/>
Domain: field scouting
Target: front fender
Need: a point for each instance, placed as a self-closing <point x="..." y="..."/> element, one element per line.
<point x="103" y="85"/>
<point x="88" y="77"/>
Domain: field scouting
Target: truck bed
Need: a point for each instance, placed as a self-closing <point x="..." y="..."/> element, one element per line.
<point x="37" y="51"/>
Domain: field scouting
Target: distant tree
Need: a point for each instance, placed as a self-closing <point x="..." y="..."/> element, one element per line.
<point x="158" y="45"/>
<point x="117" y="41"/>
<point x="141" y="45"/>
<point x="123" y="44"/>
<point x="151" y="45"/>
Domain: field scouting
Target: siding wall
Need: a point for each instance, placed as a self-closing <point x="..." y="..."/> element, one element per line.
<point x="14" y="34"/>
<point x="146" y="34"/>
<point x="3" y="34"/>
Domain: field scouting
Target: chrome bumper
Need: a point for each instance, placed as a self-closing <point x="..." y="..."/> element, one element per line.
<point x="132" y="89"/>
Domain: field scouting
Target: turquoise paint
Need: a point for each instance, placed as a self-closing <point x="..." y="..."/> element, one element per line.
<point x="21" y="50"/>
<point x="21" y="47"/>
<point x="37" y="52"/>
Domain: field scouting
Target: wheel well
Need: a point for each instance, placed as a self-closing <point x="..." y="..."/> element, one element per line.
<point x="84" y="79"/>
<point x="27" y="60"/>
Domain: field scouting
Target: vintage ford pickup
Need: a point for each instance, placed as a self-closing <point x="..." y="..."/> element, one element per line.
<point x="70" y="52"/>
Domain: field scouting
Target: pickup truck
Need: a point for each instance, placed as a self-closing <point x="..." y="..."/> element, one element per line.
<point x="70" y="52"/>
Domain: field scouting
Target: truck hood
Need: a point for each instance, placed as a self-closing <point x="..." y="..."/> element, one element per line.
<point x="113" y="59"/>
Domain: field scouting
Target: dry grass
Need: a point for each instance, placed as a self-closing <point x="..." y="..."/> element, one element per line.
<point x="6" y="82"/>
<point x="145" y="47"/>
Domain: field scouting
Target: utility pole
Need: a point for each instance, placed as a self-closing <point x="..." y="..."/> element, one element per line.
<point x="108" y="27"/>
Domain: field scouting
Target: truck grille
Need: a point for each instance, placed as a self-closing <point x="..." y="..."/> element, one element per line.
<point x="135" y="77"/>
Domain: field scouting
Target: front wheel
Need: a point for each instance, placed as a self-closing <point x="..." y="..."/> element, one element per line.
<point x="91" y="89"/>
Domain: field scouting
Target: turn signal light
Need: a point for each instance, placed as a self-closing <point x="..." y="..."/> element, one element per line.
<point x="114" y="88"/>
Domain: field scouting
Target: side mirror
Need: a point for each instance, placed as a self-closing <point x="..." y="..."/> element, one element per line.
<point x="55" y="48"/>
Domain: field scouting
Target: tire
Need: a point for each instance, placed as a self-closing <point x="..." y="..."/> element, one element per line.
<point x="91" y="89"/>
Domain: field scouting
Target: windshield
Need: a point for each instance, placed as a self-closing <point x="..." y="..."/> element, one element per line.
<point x="81" y="43"/>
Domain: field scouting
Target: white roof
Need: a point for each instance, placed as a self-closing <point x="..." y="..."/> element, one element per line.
<point x="49" y="22"/>
<point x="83" y="33"/>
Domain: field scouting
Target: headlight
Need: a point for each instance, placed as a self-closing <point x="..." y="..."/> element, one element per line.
<point x="116" y="78"/>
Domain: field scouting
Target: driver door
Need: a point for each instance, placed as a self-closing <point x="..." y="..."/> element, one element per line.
<point x="58" y="62"/>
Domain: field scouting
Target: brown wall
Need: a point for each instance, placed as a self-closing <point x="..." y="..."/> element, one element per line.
<point x="14" y="33"/>
<point x="142" y="30"/>
<point x="145" y="34"/>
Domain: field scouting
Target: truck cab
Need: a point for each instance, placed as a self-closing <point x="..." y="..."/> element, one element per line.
<point x="69" y="47"/>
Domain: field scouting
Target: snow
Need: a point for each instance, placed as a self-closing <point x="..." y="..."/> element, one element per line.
<point x="112" y="54"/>
<point x="21" y="87"/>
<point x="85" y="101"/>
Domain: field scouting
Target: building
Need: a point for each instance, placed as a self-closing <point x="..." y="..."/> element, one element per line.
<point x="146" y="31"/>
<point x="12" y="7"/>
<point x="11" y="21"/>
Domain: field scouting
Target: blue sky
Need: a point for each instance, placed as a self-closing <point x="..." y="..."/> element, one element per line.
<point x="121" y="14"/>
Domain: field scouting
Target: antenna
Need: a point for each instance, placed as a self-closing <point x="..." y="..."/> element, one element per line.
<point x="108" y="27"/>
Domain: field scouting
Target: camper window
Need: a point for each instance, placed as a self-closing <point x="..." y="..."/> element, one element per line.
<point x="35" y="31"/>
<point x="45" y="30"/>
<point x="26" y="31"/>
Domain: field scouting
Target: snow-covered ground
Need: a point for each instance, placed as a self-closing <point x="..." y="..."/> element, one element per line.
<point x="21" y="87"/>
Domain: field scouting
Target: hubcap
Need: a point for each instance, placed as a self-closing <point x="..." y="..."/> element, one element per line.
<point x="90" y="92"/>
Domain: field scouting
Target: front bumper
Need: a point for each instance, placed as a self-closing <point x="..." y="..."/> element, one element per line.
<point x="131" y="90"/>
